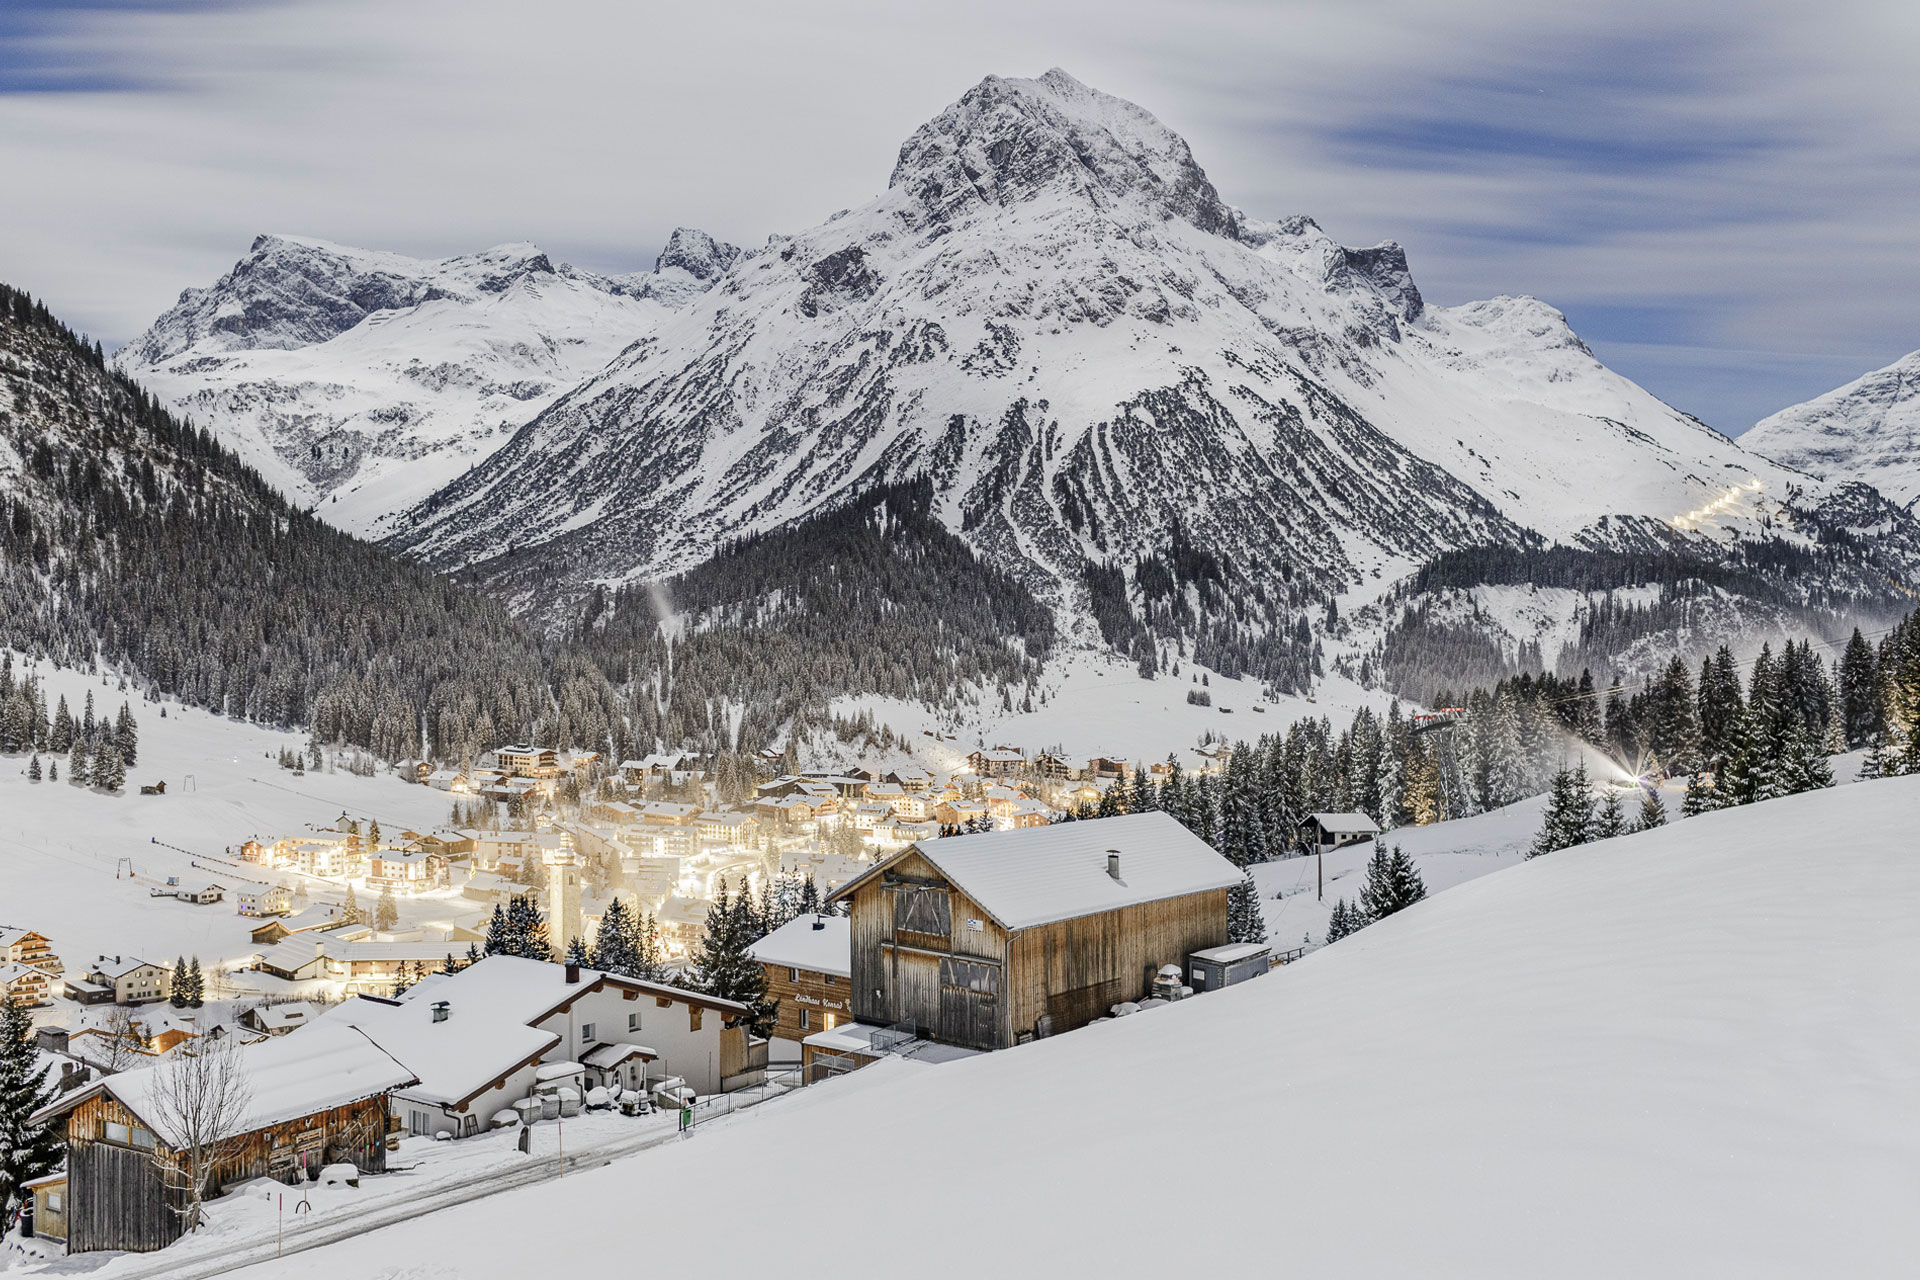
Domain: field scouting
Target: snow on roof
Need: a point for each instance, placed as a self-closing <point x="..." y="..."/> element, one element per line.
<point x="453" y="1059"/>
<point x="298" y="1013"/>
<point x="799" y="944"/>
<point x="12" y="972"/>
<point x="119" y="966"/>
<point x="1234" y="951"/>
<point x="314" y="1069"/>
<point x="1042" y="874"/>
<point x="1346" y="824"/>
<point x="608" y="1056"/>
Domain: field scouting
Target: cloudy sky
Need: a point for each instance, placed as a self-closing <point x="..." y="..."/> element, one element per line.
<point x="1724" y="198"/>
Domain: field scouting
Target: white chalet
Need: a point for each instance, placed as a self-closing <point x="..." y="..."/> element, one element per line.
<point x="478" y="1039"/>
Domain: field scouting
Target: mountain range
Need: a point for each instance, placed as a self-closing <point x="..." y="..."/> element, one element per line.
<point x="1184" y="429"/>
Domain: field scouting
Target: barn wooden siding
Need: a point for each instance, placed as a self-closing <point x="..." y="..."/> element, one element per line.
<point x="118" y="1199"/>
<point x="977" y="987"/>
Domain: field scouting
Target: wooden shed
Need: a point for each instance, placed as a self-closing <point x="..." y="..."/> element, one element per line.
<point x="315" y="1098"/>
<point x="989" y="940"/>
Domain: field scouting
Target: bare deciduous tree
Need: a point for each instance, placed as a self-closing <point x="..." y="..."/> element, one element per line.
<point x="120" y="1046"/>
<point x="199" y="1103"/>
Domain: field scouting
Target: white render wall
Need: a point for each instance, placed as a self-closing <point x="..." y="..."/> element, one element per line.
<point x="694" y="1055"/>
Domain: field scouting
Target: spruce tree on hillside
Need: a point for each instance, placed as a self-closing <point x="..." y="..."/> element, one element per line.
<point x="1345" y="921"/>
<point x="616" y="946"/>
<point x="1652" y="812"/>
<point x="27" y="1150"/>
<point x="1608" y="819"/>
<point x="652" y="965"/>
<point x="196" y="984"/>
<point x="722" y="967"/>
<point x="1859" y="693"/>
<point x="528" y="929"/>
<point x="1803" y="765"/>
<point x="350" y="909"/>
<point x="126" y="736"/>
<point x="1245" y="921"/>
<point x="577" y="952"/>
<point x="499" y="940"/>
<point x="386" y="912"/>
<point x="60" y="737"/>
<point x="34" y="772"/>
<point x="1393" y="883"/>
<point x="1569" y="816"/>
<point x="177" y="995"/>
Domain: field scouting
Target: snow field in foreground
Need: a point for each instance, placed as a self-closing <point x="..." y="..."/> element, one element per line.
<point x="1684" y="1052"/>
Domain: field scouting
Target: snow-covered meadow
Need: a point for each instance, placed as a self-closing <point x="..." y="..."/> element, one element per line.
<point x="65" y="851"/>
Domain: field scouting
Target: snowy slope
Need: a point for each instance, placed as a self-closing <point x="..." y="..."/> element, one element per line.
<point x="366" y="380"/>
<point x="61" y="847"/>
<point x="1688" y="1052"/>
<point x="1051" y="312"/>
<point x="1868" y="430"/>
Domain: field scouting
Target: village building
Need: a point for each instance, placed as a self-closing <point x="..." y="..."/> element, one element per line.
<point x="729" y="830"/>
<point x="260" y="901"/>
<point x="1337" y="830"/>
<point x="1023" y="814"/>
<point x="808" y="967"/>
<point x="318" y="916"/>
<point x="478" y="1039"/>
<point x="996" y="762"/>
<point x="24" y="946"/>
<point x="406" y="871"/>
<point x="911" y="781"/>
<point x="278" y="1019"/>
<point x="447" y="780"/>
<point x="121" y="979"/>
<point x="25" y="984"/>
<point x="522" y="761"/>
<point x="985" y="941"/>
<point x="315" y="1099"/>
<point x="300" y="957"/>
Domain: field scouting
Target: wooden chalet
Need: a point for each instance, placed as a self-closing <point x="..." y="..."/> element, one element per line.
<point x="986" y="941"/>
<point x="808" y="971"/>
<point x="24" y="946"/>
<point x="316" y="1098"/>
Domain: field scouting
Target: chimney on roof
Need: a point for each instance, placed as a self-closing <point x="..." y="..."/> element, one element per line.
<point x="573" y="973"/>
<point x="440" y="1010"/>
<point x="819" y="922"/>
<point x="1113" y="863"/>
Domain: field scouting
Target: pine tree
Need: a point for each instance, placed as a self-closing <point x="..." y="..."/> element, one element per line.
<point x="196" y="984"/>
<point x="1608" y="820"/>
<point x="108" y="773"/>
<point x="126" y="736"/>
<point x="652" y="966"/>
<point x="577" y="952"/>
<point x="1393" y="883"/>
<point x="500" y="933"/>
<point x="373" y="835"/>
<point x="1345" y="921"/>
<point x="528" y="929"/>
<point x="1652" y="812"/>
<point x="1860" y="704"/>
<point x="1245" y="920"/>
<point x="386" y="912"/>
<point x="60" y="738"/>
<point x="27" y="1150"/>
<point x="1568" y="820"/>
<point x="616" y="946"/>
<point x="34" y="772"/>
<point x="723" y="968"/>
<point x="181" y="991"/>
<point x="1803" y="765"/>
<point x="77" y="768"/>
<point x="350" y="909"/>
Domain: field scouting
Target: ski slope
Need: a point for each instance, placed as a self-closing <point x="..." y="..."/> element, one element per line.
<point x="1685" y="1052"/>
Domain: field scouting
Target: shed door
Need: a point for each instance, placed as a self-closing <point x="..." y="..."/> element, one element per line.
<point x="969" y="1003"/>
<point x="914" y="989"/>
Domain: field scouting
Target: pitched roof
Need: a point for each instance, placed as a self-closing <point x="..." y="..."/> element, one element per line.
<point x="798" y="944"/>
<point x="1059" y="872"/>
<point x="314" y="1069"/>
<point x="1346" y="824"/>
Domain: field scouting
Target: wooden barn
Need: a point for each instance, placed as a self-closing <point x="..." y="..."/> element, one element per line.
<point x="315" y="1098"/>
<point x="987" y="941"/>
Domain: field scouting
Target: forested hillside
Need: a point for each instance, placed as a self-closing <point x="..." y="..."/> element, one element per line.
<point x="876" y="597"/>
<point x="134" y="539"/>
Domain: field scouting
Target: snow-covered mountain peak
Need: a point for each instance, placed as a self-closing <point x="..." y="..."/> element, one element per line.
<point x="373" y="377"/>
<point x="1868" y="430"/>
<point x="1008" y="140"/>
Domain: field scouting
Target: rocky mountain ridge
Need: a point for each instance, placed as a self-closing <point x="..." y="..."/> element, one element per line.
<point x="364" y="380"/>
<point x="1867" y="431"/>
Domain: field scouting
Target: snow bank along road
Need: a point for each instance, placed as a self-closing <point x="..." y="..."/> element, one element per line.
<point x="169" y="1265"/>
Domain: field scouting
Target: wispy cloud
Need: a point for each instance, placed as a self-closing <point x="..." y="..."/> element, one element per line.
<point x="1721" y="197"/>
